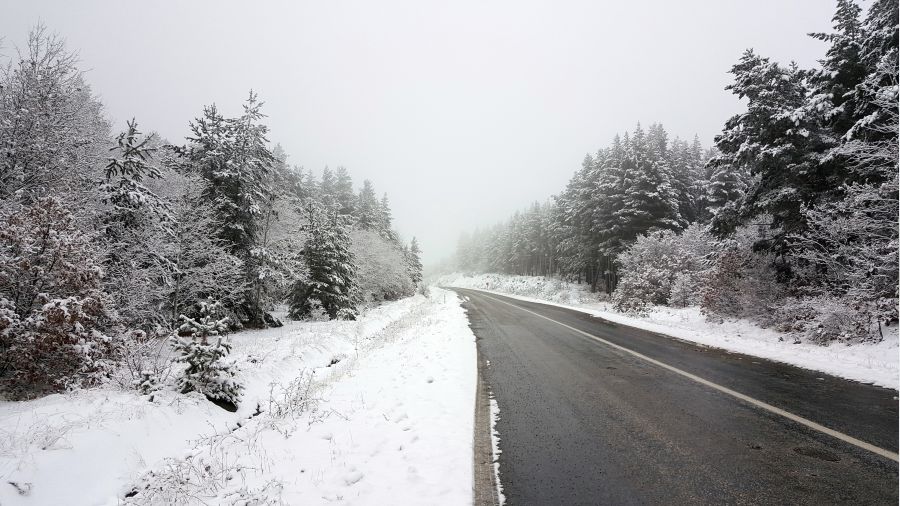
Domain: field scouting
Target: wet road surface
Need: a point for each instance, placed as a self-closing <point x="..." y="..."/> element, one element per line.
<point x="583" y="422"/>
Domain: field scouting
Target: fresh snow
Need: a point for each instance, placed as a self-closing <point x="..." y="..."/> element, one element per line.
<point x="495" y="447"/>
<point x="373" y="411"/>
<point x="865" y="362"/>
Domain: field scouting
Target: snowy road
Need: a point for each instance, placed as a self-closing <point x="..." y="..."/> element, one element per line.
<point x="585" y="422"/>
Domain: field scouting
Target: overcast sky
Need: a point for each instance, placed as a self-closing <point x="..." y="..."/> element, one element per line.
<point x="461" y="111"/>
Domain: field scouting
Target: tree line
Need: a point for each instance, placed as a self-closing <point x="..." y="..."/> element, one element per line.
<point x="792" y="212"/>
<point x="108" y="243"/>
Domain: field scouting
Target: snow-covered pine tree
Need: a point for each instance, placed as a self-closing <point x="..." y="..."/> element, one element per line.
<point x="343" y="191"/>
<point x="233" y="156"/>
<point x="131" y="203"/>
<point x="135" y="223"/>
<point x="777" y="144"/>
<point x="367" y="208"/>
<point x="842" y="70"/>
<point x="328" y="189"/>
<point x="649" y="201"/>
<point x="331" y="282"/>
<point x="207" y="370"/>
<point x="724" y="193"/>
<point x="384" y="226"/>
<point x="415" y="262"/>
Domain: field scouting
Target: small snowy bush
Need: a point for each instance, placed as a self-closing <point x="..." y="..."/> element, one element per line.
<point x="824" y="319"/>
<point x="207" y="370"/>
<point x="740" y="282"/>
<point x="55" y="324"/>
<point x="382" y="270"/>
<point x="653" y="264"/>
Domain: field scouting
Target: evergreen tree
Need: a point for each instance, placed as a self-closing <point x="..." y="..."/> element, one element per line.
<point x="206" y="368"/>
<point x="832" y="86"/>
<point x="775" y="144"/>
<point x="384" y="220"/>
<point x="132" y="205"/>
<point x="414" y="261"/>
<point x="328" y="189"/>
<point x="649" y="201"/>
<point x="343" y="191"/>
<point x="367" y="208"/>
<point x="332" y="284"/>
<point x="232" y="155"/>
<point x="135" y="223"/>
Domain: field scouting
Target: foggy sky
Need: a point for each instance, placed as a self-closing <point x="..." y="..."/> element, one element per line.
<point x="462" y="111"/>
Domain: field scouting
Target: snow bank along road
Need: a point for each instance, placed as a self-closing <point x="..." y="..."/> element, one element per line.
<point x="599" y="413"/>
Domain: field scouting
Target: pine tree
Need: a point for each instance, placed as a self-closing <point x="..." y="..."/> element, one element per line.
<point x="332" y="275"/>
<point x="414" y="261"/>
<point x="649" y="201"/>
<point x="328" y="189"/>
<point x="832" y="86"/>
<point x="385" y="218"/>
<point x="367" y="208"/>
<point x="232" y="155"/>
<point x="343" y="190"/>
<point x="206" y="368"/>
<point x="135" y="222"/>
<point x="133" y="208"/>
<point x="776" y="144"/>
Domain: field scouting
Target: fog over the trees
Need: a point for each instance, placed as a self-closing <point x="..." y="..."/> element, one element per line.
<point x="461" y="111"/>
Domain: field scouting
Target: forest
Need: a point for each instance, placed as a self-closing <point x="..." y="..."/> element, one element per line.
<point x="788" y="219"/>
<point x="115" y="245"/>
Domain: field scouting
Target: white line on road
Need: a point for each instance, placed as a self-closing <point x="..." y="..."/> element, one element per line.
<point x="746" y="398"/>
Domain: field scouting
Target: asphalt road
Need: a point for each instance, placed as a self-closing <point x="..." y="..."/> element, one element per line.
<point x="582" y="422"/>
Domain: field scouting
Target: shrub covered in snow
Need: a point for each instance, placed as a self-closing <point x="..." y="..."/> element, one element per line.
<point x="55" y="325"/>
<point x="660" y="262"/>
<point x="741" y="283"/>
<point x="382" y="268"/>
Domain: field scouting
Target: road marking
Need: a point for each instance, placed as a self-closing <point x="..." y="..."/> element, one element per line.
<point x="746" y="398"/>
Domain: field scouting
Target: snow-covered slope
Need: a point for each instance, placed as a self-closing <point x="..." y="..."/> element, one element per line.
<point x="870" y="363"/>
<point x="376" y="411"/>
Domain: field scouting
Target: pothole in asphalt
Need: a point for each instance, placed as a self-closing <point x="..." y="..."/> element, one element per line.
<point x="817" y="453"/>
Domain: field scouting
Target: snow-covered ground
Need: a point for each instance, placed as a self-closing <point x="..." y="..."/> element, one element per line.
<point x="869" y="363"/>
<point x="376" y="411"/>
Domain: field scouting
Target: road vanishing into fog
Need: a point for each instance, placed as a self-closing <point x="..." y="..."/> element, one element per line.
<point x="592" y="412"/>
